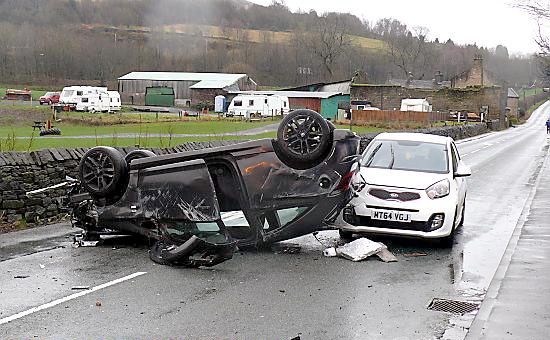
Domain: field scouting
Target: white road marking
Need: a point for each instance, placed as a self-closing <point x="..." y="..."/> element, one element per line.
<point x="68" y="298"/>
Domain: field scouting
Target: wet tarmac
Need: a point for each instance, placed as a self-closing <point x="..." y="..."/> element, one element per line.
<point x="279" y="295"/>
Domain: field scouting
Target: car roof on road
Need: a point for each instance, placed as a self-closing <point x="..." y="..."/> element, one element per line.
<point x="411" y="136"/>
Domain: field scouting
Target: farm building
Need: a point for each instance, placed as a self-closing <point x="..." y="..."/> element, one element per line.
<point x="326" y="103"/>
<point x="512" y="103"/>
<point x="186" y="88"/>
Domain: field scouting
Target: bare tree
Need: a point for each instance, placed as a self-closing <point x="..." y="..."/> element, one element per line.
<point x="410" y="51"/>
<point x="540" y="10"/>
<point x="327" y="39"/>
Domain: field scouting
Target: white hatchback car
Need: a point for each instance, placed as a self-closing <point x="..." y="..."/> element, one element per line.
<point x="414" y="186"/>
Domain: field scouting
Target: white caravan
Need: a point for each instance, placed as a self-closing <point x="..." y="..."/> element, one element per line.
<point x="86" y="98"/>
<point x="251" y="105"/>
<point x="419" y="105"/>
<point x="114" y="101"/>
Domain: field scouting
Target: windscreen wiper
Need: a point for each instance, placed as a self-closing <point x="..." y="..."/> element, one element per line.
<point x="371" y="157"/>
<point x="392" y="157"/>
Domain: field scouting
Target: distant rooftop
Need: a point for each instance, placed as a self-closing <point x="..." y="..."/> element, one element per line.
<point x="293" y="94"/>
<point x="512" y="93"/>
<point x="182" y="76"/>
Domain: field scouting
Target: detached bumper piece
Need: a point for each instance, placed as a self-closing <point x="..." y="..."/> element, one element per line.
<point x="195" y="252"/>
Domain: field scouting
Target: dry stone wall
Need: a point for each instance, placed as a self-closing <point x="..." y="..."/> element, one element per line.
<point x="21" y="172"/>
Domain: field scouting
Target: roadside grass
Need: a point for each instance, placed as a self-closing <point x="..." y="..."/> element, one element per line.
<point x="532" y="109"/>
<point x="12" y="143"/>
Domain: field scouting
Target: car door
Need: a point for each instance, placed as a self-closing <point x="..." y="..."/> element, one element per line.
<point x="181" y="191"/>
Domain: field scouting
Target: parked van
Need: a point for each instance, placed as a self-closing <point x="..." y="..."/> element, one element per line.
<point x="251" y="105"/>
<point x="86" y="98"/>
<point x="114" y="101"/>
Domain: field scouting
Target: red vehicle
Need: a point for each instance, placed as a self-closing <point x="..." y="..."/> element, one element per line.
<point x="50" y="98"/>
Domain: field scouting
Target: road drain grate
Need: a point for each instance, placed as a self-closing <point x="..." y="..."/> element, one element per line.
<point x="452" y="306"/>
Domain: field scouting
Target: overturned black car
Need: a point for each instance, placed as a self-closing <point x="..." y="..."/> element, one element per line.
<point x="200" y="205"/>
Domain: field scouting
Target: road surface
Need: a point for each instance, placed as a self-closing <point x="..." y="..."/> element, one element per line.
<point x="271" y="295"/>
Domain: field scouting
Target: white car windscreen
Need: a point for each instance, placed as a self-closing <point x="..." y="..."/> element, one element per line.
<point x="407" y="155"/>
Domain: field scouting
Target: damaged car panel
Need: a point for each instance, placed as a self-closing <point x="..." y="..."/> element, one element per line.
<point x="274" y="189"/>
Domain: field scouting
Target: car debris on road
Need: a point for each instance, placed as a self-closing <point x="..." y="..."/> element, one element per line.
<point x="360" y="249"/>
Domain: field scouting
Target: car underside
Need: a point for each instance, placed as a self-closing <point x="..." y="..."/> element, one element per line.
<point x="200" y="205"/>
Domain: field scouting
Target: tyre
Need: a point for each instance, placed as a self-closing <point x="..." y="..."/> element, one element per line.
<point x="136" y="154"/>
<point x="448" y="241"/>
<point x="461" y="223"/>
<point x="103" y="172"/>
<point x="304" y="138"/>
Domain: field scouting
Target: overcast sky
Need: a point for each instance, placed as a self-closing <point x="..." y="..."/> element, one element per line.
<point x="485" y="22"/>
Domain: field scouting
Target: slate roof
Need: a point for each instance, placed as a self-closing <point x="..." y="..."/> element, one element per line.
<point x="512" y="93"/>
<point x="183" y="76"/>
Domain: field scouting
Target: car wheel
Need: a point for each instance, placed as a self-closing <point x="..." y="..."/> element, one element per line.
<point x="461" y="223"/>
<point x="448" y="241"/>
<point x="103" y="172"/>
<point x="345" y="235"/>
<point x="50" y="102"/>
<point x="137" y="154"/>
<point x="304" y="138"/>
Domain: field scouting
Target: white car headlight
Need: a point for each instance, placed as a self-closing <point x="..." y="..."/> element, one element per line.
<point x="439" y="189"/>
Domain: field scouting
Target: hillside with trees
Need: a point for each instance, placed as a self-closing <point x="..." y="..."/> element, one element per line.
<point x="57" y="41"/>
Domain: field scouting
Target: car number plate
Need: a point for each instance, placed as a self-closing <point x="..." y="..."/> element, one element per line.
<point x="390" y="215"/>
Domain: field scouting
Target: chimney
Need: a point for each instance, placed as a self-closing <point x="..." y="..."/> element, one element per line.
<point x="477" y="69"/>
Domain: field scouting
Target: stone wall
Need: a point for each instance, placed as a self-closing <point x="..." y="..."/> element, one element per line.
<point x="21" y="172"/>
<point x="455" y="131"/>
<point x="388" y="97"/>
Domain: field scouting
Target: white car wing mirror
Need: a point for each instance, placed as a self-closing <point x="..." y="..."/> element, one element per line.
<point x="463" y="170"/>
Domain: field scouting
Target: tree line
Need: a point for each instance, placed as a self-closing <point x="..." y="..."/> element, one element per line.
<point x="57" y="40"/>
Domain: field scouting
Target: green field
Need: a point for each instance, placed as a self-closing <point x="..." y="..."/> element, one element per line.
<point x="529" y="92"/>
<point x="128" y="129"/>
<point x="29" y="144"/>
<point x="168" y="128"/>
